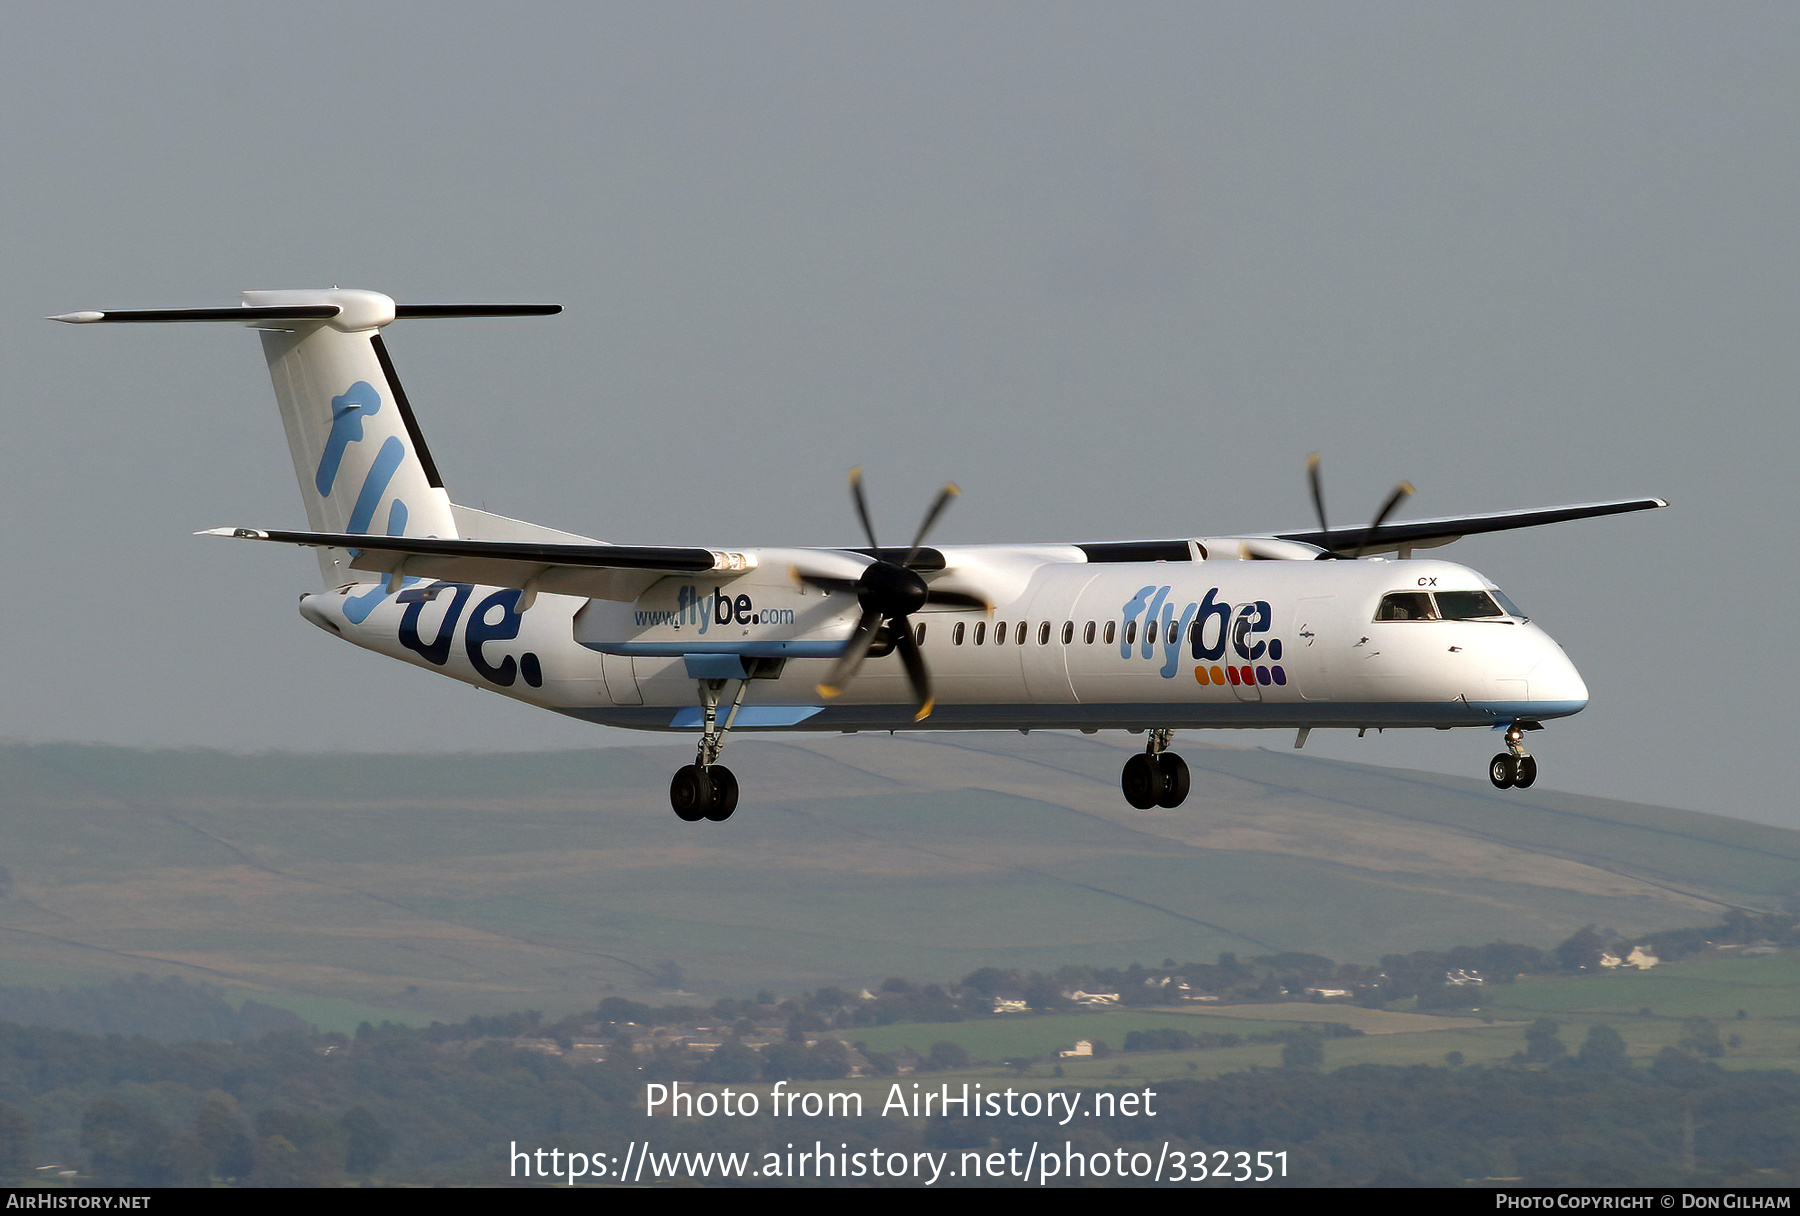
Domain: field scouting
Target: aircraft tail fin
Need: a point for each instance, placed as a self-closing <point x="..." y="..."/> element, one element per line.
<point x="359" y="455"/>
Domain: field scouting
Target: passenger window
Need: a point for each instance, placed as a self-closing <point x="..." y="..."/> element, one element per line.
<point x="1131" y="634"/>
<point x="1019" y="633"/>
<point x="1087" y="635"/>
<point x="980" y="628"/>
<point x="919" y="634"/>
<point x="1068" y="632"/>
<point x="1194" y="634"/>
<point x="1044" y="634"/>
<point x="999" y="633"/>
<point x="956" y="634"/>
<point x="1150" y="633"/>
<point x="1467" y="606"/>
<point x="1111" y="631"/>
<point x="1406" y="606"/>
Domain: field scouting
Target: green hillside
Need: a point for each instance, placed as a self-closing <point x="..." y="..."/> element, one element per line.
<point x="351" y="886"/>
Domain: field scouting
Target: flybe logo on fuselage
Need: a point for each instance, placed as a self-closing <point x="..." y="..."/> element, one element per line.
<point x="714" y="608"/>
<point x="1212" y="629"/>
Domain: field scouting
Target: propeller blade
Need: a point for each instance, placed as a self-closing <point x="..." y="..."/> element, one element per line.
<point x="1400" y="494"/>
<point x="855" y="651"/>
<point x="1318" y="492"/>
<point x="888" y="592"/>
<point x="916" y="675"/>
<point x="862" y="507"/>
<point x="937" y="508"/>
<point x="1316" y="484"/>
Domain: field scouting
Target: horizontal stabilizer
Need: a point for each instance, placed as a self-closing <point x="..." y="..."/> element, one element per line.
<point x="247" y="315"/>
<point x="402" y="311"/>
<point x="385" y="553"/>
<point x="594" y="570"/>
<point x="242" y="315"/>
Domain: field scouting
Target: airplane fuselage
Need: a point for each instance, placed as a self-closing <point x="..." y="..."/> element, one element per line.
<point x="1135" y="645"/>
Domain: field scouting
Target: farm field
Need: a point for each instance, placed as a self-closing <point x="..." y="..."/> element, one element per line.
<point x="1765" y="986"/>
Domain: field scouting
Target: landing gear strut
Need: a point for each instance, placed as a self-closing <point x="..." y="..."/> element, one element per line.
<point x="707" y="789"/>
<point x="1155" y="776"/>
<point x="1513" y="768"/>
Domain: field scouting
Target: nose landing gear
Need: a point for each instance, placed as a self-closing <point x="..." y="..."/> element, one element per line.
<point x="1155" y="776"/>
<point x="1514" y="768"/>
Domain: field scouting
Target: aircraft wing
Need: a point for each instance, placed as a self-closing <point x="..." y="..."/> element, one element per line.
<point x="621" y="572"/>
<point x="1429" y="533"/>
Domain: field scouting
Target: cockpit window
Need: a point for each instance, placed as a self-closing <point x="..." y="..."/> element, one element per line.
<point x="1406" y="606"/>
<point x="1512" y="609"/>
<point x="1467" y="605"/>
<point x="1445" y="606"/>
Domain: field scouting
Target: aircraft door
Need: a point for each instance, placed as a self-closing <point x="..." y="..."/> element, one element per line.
<point x="1312" y="629"/>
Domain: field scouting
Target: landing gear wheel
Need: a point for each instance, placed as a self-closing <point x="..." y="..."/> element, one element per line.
<point x="1524" y="772"/>
<point x="691" y="793"/>
<point x="724" y="794"/>
<point x="1142" y="781"/>
<point x="1503" y="771"/>
<point x="1175" y="780"/>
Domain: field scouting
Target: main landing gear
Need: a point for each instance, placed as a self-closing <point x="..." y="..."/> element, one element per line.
<point x="709" y="792"/>
<point x="1513" y="768"/>
<point x="707" y="789"/>
<point x="1155" y="776"/>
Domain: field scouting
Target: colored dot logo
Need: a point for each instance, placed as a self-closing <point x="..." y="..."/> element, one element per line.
<point x="1236" y="676"/>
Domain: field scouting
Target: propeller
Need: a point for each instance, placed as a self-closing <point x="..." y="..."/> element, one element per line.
<point x="1400" y="493"/>
<point x="889" y="592"/>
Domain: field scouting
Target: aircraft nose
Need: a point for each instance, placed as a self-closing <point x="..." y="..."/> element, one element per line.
<point x="1556" y="687"/>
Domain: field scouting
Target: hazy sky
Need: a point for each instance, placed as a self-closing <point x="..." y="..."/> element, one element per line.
<point x="1115" y="269"/>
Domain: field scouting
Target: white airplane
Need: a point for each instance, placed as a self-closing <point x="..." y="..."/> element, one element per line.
<point x="1148" y="636"/>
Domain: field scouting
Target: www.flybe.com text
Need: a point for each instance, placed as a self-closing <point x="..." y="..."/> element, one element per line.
<point x="715" y="608"/>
